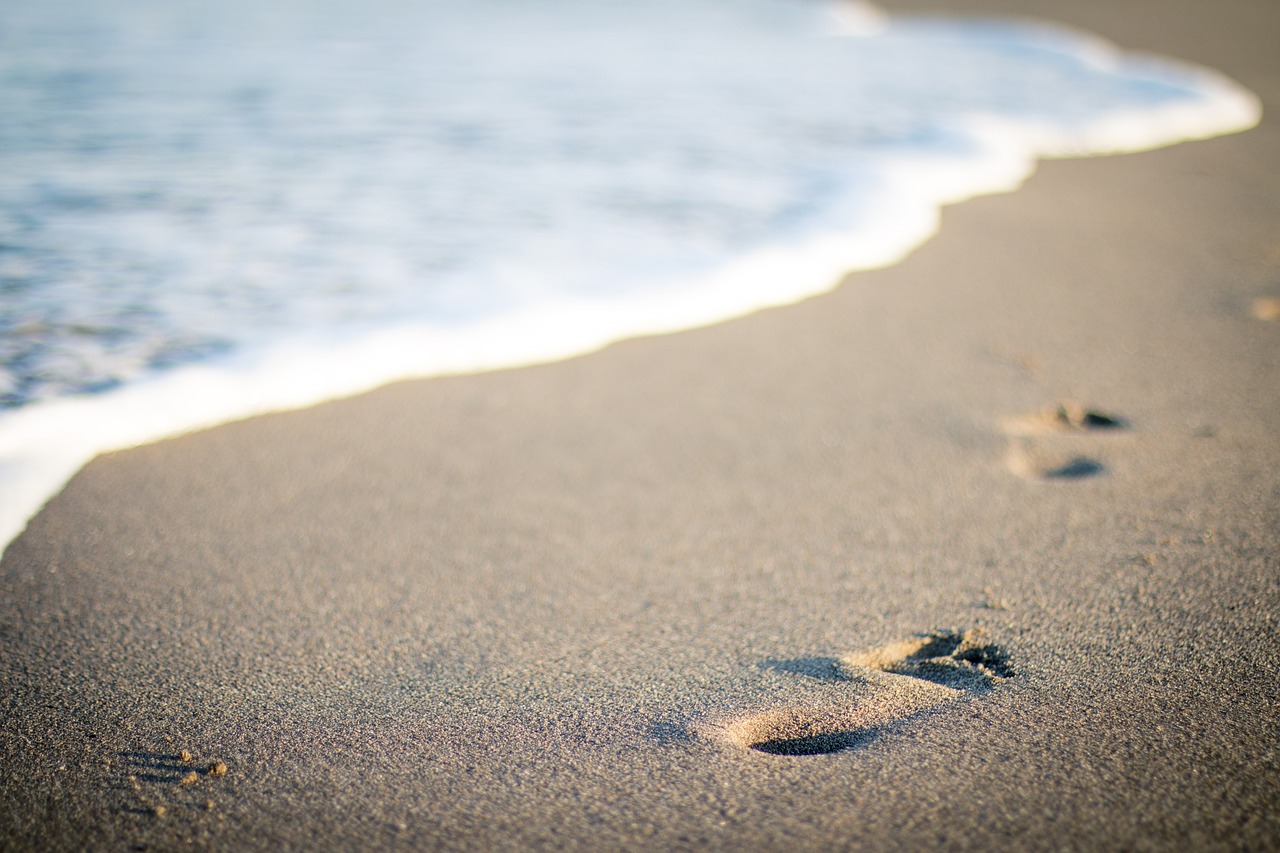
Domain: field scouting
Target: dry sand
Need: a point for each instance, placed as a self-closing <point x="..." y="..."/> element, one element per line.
<point x="555" y="607"/>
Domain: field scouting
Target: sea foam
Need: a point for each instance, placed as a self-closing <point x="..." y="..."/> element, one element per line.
<point x="214" y="211"/>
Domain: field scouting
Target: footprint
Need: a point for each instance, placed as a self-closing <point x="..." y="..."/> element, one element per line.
<point x="1055" y="443"/>
<point x="885" y="686"/>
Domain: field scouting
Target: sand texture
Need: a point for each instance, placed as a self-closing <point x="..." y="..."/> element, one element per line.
<point x="999" y="525"/>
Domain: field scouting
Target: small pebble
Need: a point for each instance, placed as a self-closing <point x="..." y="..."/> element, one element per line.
<point x="185" y="757"/>
<point x="190" y="779"/>
<point x="217" y="768"/>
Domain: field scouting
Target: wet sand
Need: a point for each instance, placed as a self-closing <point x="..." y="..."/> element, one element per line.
<point x="981" y="551"/>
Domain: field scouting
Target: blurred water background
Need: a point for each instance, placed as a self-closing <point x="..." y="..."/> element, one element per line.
<point x="213" y="209"/>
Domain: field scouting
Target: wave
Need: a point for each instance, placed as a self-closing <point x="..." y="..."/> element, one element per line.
<point x="867" y="213"/>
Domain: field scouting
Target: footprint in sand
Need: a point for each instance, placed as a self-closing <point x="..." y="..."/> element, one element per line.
<point x="886" y="685"/>
<point x="1058" y="443"/>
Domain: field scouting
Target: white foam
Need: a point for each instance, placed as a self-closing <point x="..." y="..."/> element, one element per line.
<point x="45" y="444"/>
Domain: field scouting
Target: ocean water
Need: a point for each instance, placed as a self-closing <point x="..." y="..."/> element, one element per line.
<point x="214" y="210"/>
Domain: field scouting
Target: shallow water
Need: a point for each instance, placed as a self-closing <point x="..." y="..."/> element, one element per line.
<point x="213" y="210"/>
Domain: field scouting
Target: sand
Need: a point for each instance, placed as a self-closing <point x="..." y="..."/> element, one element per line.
<point x="633" y="600"/>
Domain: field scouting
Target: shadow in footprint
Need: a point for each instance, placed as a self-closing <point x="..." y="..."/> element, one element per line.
<point x="823" y="744"/>
<point x="1076" y="469"/>
<point x="1077" y="417"/>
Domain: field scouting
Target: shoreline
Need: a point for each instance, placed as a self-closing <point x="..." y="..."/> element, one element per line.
<point x="43" y="444"/>
<point x="501" y="610"/>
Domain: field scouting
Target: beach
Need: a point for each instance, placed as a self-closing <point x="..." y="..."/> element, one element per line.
<point x="978" y="551"/>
